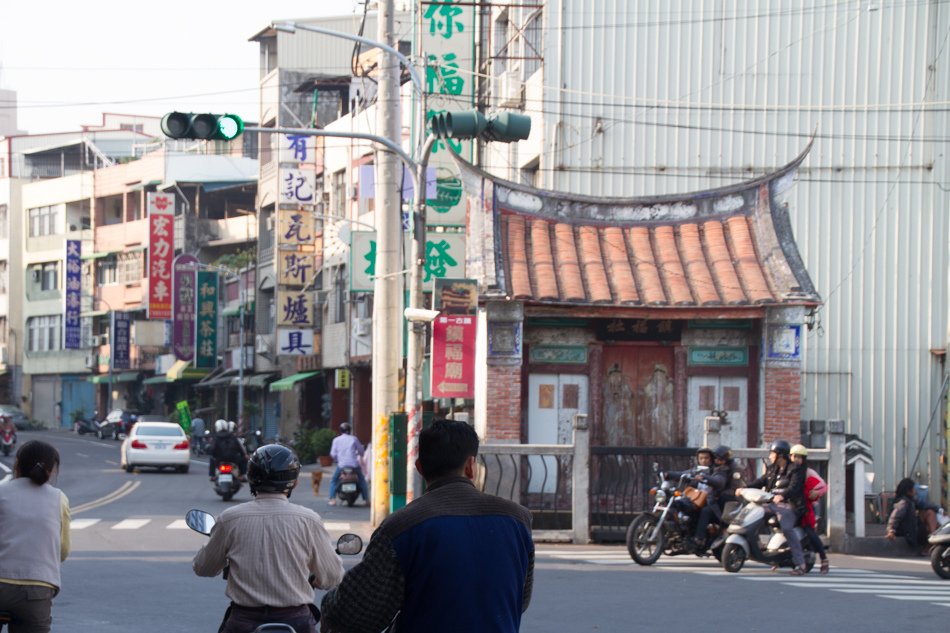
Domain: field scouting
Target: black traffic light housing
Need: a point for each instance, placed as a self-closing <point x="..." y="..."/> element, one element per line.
<point x="204" y="126"/>
<point x="505" y="127"/>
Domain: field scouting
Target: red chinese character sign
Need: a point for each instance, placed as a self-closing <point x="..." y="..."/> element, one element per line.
<point x="453" y="356"/>
<point x="161" y="249"/>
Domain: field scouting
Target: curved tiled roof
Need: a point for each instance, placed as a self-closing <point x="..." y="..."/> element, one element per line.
<point x="730" y="247"/>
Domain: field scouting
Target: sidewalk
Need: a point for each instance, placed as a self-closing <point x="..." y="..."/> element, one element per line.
<point x="874" y="544"/>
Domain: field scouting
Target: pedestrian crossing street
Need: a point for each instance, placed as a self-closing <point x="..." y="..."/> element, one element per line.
<point x="882" y="584"/>
<point x="176" y="524"/>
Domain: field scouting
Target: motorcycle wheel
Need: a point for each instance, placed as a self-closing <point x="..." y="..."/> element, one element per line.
<point x="733" y="558"/>
<point x="227" y="496"/>
<point x="641" y="550"/>
<point x="350" y="501"/>
<point x="940" y="561"/>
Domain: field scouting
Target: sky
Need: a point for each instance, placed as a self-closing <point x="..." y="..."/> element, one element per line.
<point x="71" y="61"/>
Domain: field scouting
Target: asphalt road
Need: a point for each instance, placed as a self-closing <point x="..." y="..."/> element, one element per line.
<point x="130" y="570"/>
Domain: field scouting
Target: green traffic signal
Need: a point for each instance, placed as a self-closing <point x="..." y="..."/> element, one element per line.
<point x="505" y="127"/>
<point x="203" y="126"/>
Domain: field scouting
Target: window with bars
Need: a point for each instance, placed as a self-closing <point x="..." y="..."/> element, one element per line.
<point x="44" y="333"/>
<point x="107" y="270"/>
<point x="130" y="267"/>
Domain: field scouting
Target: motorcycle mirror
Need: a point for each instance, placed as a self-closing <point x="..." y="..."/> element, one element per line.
<point x="200" y="521"/>
<point x="349" y="544"/>
<point x="656" y="467"/>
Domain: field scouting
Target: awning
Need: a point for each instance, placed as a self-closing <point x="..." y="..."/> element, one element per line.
<point x="257" y="381"/>
<point x="98" y="255"/>
<point x="221" y="186"/>
<point x="220" y="380"/>
<point x="177" y="369"/>
<point x="142" y="185"/>
<point x="94" y="313"/>
<point x="286" y="384"/>
<point x="128" y="376"/>
<point x="232" y="310"/>
<point x="156" y="380"/>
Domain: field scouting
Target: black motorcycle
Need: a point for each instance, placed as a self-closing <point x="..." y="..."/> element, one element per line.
<point x="669" y="527"/>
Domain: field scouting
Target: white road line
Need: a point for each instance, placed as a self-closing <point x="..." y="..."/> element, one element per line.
<point x="870" y="580"/>
<point x="177" y="524"/>
<point x="81" y="524"/>
<point x="130" y="524"/>
<point x="935" y="592"/>
<point x="336" y="525"/>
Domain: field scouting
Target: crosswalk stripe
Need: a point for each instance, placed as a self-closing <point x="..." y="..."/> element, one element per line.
<point x="130" y="524"/>
<point x="81" y="524"/>
<point x="177" y="524"/>
<point x="337" y="525"/>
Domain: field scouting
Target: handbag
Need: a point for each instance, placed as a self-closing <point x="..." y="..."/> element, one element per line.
<point x="697" y="496"/>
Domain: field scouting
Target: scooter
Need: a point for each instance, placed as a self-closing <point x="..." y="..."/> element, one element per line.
<point x="940" y="550"/>
<point x="742" y="542"/>
<point x="226" y="482"/>
<point x="348" y="489"/>
<point x="7" y="441"/>
<point x="347" y="545"/>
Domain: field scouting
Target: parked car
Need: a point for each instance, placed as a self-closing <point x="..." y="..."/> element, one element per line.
<point x="156" y="445"/>
<point x="20" y="421"/>
<point x="118" y="422"/>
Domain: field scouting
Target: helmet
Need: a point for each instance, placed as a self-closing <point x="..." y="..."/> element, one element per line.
<point x="232" y="425"/>
<point x="799" y="449"/>
<point x="221" y="425"/>
<point x="345" y="427"/>
<point x="722" y="452"/>
<point x="780" y="447"/>
<point x="272" y="468"/>
<point x="704" y="449"/>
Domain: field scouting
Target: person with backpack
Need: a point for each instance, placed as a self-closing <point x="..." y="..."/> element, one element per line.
<point x="815" y="489"/>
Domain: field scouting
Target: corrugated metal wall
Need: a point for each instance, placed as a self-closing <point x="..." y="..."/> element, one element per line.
<point x="662" y="96"/>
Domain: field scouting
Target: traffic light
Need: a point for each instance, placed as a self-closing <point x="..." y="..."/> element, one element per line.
<point x="212" y="127"/>
<point x="505" y="127"/>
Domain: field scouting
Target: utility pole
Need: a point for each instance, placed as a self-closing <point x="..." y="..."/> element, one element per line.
<point x="387" y="294"/>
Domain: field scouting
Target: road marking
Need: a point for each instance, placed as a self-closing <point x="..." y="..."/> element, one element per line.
<point x="130" y="524"/>
<point x="123" y="490"/>
<point x="177" y="524"/>
<point x="82" y="524"/>
<point x="336" y="525"/>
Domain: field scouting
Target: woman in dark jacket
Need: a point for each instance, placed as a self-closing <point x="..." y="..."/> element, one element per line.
<point x="903" y="520"/>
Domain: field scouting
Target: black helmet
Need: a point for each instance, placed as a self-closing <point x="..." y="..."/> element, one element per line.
<point x="704" y="449"/>
<point x="722" y="452"/>
<point x="780" y="447"/>
<point x="345" y="427"/>
<point x="272" y="468"/>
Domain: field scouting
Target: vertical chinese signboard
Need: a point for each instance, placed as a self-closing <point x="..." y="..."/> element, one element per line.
<point x="72" y="325"/>
<point x="206" y="320"/>
<point x="183" y="307"/>
<point x="296" y="267"/>
<point x="448" y="38"/>
<point x="453" y="356"/>
<point x="120" y="341"/>
<point x="161" y="249"/>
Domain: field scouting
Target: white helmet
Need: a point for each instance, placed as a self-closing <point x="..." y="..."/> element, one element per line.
<point x="221" y="425"/>
<point x="232" y="425"/>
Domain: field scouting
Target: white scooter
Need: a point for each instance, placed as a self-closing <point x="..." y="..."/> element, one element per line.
<point x="743" y="540"/>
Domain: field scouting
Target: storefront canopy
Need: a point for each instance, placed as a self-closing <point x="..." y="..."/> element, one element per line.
<point x="128" y="376"/>
<point x="286" y="384"/>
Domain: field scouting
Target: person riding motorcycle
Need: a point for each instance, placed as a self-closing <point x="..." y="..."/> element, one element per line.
<point x="225" y="447"/>
<point x="719" y="480"/>
<point x="786" y="481"/>
<point x="273" y="583"/>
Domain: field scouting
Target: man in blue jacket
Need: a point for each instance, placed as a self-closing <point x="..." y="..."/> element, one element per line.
<point x="455" y="559"/>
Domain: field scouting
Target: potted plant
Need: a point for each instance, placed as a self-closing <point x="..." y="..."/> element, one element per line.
<point x="322" y="442"/>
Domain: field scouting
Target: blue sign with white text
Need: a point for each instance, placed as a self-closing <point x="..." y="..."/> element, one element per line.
<point x="72" y="324"/>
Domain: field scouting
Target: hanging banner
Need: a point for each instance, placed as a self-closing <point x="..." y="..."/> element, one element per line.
<point x="453" y="356"/>
<point x="120" y="340"/>
<point x="206" y="320"/>
<point x="445" y="257"/>
<point x="183" y="307"/>
<point x="72" y="324"/>
<point x="448" y="38"/>
<point x="161" y="250"/>
<point x="456" y="296"/>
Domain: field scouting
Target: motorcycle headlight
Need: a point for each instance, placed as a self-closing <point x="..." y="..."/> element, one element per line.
<point x="660" y="495"/>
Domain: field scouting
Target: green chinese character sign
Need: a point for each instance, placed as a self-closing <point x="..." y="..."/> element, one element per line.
<point x="206" y="320"/>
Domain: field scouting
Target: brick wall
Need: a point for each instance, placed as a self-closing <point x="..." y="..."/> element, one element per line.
<point x="504" y="403"/>
<point x="783" y="396"/>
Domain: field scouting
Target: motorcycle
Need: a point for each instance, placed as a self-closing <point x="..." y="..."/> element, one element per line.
<point x="7" y="441"/>
<point x="940" y="550"/>
<point x="669" y="527"/>
<point x="742" y="542"/>
<point x="348" y="489"/>
<point x="226" y="482"/>
<point x="347" y="545"/>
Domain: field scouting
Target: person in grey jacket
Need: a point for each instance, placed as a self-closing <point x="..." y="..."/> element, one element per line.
<point x="34" y="538"/>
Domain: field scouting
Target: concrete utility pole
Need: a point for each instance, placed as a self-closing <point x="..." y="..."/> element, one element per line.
<point x="387" y="286"/>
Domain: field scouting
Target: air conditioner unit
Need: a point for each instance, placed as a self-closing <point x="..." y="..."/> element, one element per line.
<point x="90" y="361"/>
<point x="508" y="88"/>
<point x="364" y="327"/>
<point x="97" y="340"/>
